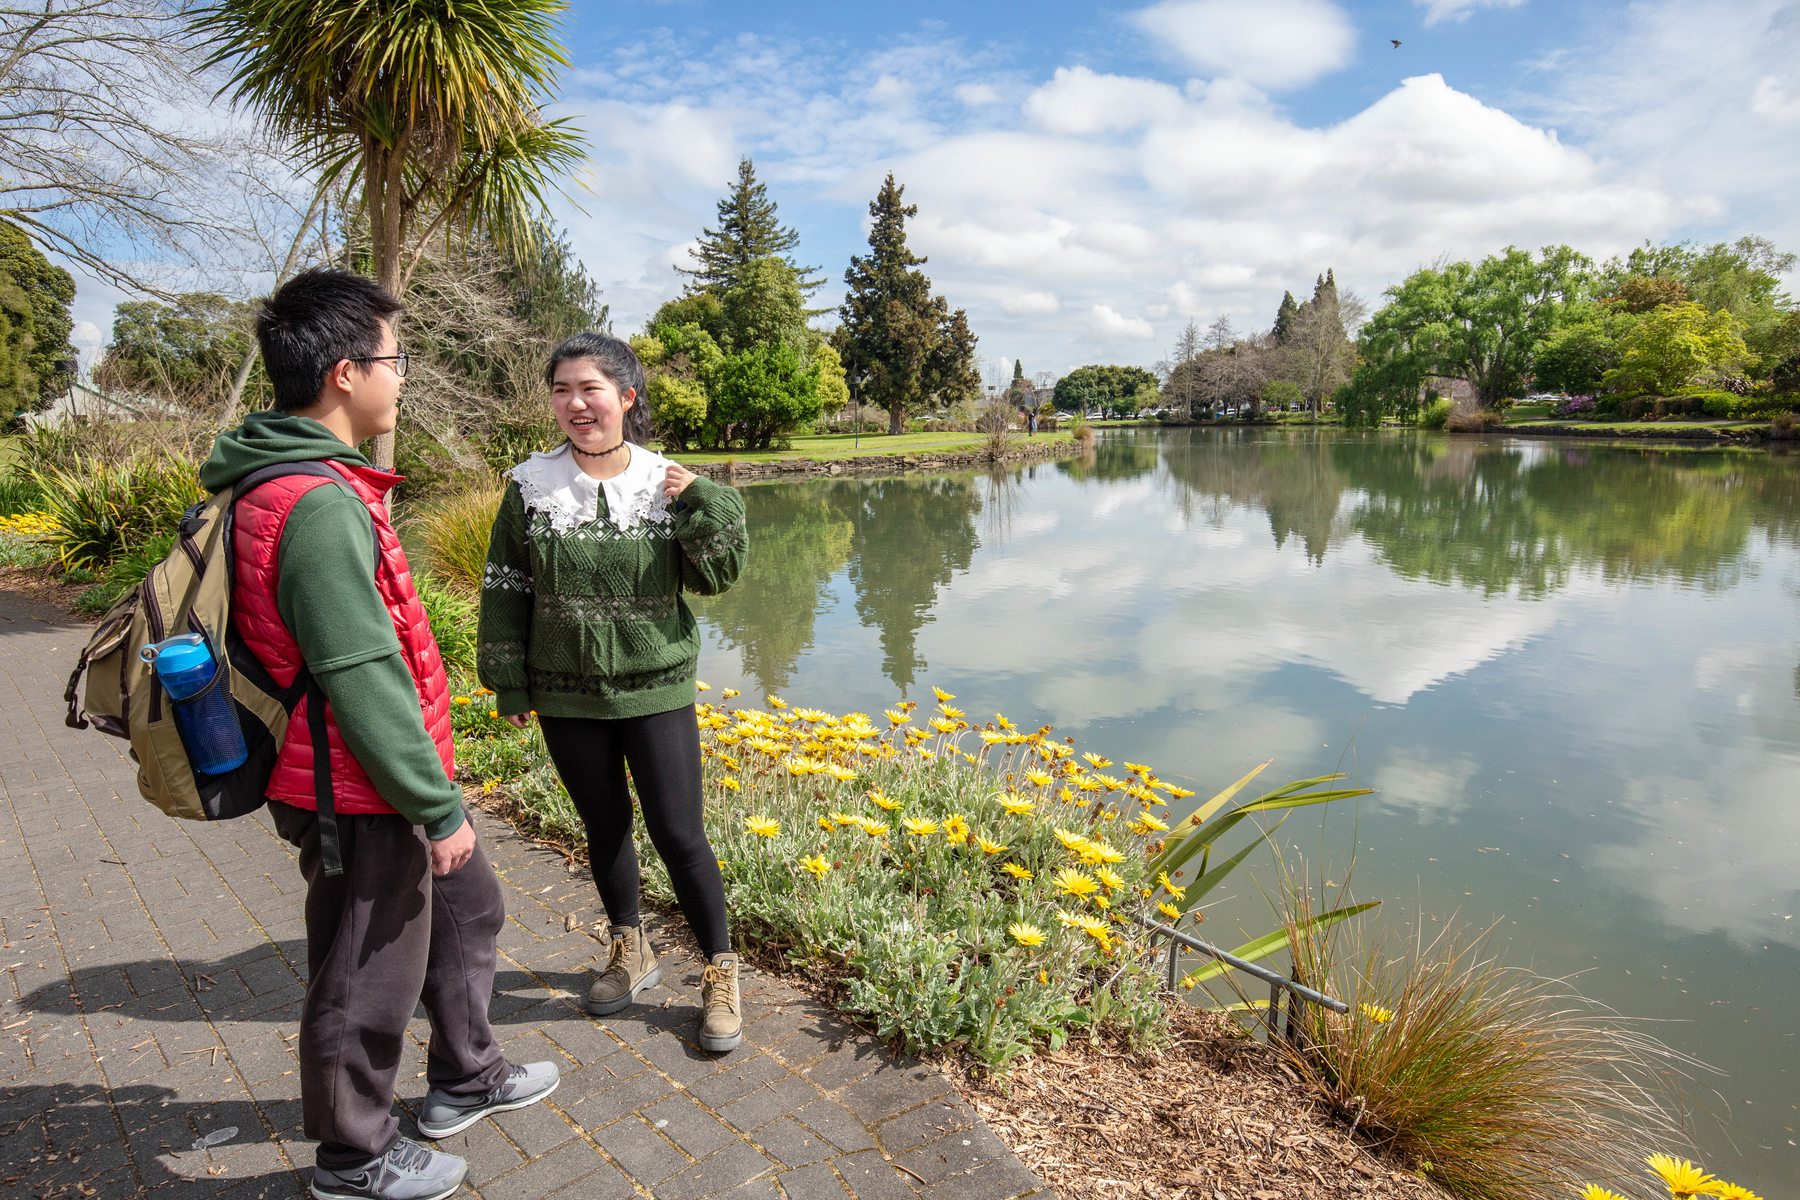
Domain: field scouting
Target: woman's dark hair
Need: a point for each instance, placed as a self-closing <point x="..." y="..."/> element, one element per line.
<point x="313" y="322"/>
<point x="617" y="362"/>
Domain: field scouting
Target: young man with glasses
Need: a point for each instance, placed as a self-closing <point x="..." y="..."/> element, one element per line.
<point x="402" y="904"/>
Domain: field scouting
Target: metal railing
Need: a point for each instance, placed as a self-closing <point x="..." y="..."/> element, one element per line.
<point x="1298" y="993"/>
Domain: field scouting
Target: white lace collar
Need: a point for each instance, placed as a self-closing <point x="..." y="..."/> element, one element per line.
<point x="554" y="484"/>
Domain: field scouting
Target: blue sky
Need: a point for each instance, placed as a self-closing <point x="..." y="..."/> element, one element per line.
<point x="1090" y="177"/>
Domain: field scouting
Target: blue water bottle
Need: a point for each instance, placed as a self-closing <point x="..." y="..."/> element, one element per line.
<point x="203" y="710"/>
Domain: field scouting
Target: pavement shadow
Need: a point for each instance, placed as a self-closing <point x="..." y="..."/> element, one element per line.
<point x="88" y="1142"/>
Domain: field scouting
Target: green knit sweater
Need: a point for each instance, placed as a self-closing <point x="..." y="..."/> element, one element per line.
<point x="589" y="621"/>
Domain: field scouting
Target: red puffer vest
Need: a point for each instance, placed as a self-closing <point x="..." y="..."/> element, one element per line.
<point x="261" y="516"/>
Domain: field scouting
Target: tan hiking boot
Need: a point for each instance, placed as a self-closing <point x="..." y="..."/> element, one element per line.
<point x="631" y="967"/>
<point x="721" y="1012"/>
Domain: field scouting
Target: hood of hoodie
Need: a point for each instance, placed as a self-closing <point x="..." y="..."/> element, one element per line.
<point x="267" y="438"/>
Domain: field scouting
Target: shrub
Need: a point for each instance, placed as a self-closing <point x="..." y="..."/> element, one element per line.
<point x="455" y="529"/>
<point x="451" y="613"/>
<point x="100" y="509"/>
<point x="1574" y="406"/>
<point x="125" y="573"/>
<point x="1436" y="415"/>
<point x="1781" y="426"/>
<point x="678" y="406"/>
<point x="19" y="494"/>
<point x="1502" y="1081"/>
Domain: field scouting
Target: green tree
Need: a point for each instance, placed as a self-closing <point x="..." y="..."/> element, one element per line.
<point x="761" y="394"/>
<point x="18" y="385"/>
<point x="1575" y="358"/>
<point x="701" y="310"/>
<point x="748" y="231"/>
<point x="763" y="306"/>
<point x="678" y="407"/>
<point x="49" y="290"/>
<point x="1284" y="318"/>
<point x="834" y="393"/>
<point x="1476" y="321"/>
<point x="906" y="343"/>
<point x="1673" y="345"/>
<point x="551" y="289"/>
<point x="183" y="353"/>
<point x="432" y="111"/>
<point x="1110" y="388"/>
<point x="1018" y="379"/>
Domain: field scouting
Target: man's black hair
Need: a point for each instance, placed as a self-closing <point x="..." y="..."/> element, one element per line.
<point x="314" y="321"/>
<point x="619" y="364"/>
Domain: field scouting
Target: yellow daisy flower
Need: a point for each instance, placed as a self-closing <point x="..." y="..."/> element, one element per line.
<point x="1073" y="883"/>
<point x="762" y="826"/>
<point x="1024" y="934"/>
<point x="1096" y="760"/>
<point x="1015" y="870"/>
<point x="777" y="702"/>
<point x="1145" y="823"/>
<point x="1376" y="1013"/>
<point x="1731" y="1191"/>
<point x="941" y="695"/>
<point x="731" y="693"/>
<point x="730" y="784"/>
<point x="1016" y="805"/>
<point x="919" y="826"/>
<point x="816" y="865"/>
<point x="874" y="829"/>
<point x="1169" y="910"/>
<point x="989" y="847"/>
<point x="1180" y="893"/>
<point x="1072" y="841"/>
<point x="1682" y="1177"/>
<point x="1110" y="878"/>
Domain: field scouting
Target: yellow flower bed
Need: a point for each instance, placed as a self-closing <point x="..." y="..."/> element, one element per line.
<point x="28" y="525"/>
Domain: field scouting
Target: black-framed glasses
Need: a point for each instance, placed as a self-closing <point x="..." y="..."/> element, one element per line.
<point x="401" y="361"/>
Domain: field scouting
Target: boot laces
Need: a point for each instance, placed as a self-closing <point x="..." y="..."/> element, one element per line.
<point x="721" y="988"/>
<point x="615" y="957"/>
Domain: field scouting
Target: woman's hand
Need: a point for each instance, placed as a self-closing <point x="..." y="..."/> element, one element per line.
<point x="519" y="720"/>
<point x="676" y="481"/>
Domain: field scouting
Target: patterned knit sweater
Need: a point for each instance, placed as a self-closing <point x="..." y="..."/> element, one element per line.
<point x="581" y="609"/>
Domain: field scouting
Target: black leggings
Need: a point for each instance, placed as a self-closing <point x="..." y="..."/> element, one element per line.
<point x="663" y="751"/>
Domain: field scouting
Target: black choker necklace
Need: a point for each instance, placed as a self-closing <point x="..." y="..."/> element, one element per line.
<point x="597" y="453"/>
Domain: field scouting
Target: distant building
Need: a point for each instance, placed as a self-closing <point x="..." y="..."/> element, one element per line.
<point x="83" y="401"/>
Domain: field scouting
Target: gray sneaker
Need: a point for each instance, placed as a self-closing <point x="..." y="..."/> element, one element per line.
<point x="442" y="1115"/>
<point x="409" y="1171"/>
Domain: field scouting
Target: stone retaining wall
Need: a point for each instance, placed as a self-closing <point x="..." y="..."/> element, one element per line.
<point x="925" y="460"/>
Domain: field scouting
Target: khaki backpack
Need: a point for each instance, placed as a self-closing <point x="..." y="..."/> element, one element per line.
<point x="190" y="592"/>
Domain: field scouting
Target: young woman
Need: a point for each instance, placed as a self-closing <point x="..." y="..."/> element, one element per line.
<point x="582" y="622"/>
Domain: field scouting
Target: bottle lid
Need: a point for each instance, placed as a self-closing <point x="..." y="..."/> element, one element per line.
<point x="173" y="655"/>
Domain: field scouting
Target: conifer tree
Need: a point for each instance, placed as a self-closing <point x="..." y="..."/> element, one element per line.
<point x="1018" y="373"/>
<point x="748" y="230"/>
<point x="905" y="342"/>
<point x="1284" y="318"/>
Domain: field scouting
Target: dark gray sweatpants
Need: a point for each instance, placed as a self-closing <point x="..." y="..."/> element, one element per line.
<point x="380" y="938"/>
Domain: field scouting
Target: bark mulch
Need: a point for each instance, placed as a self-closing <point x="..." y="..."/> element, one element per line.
<point x="1214" y="1116"/>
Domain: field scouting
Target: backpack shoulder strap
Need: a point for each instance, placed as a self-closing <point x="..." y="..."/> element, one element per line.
<point x="323" y="794"/>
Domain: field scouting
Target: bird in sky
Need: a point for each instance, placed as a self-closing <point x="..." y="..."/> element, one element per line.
<point x="1396" y="42"/>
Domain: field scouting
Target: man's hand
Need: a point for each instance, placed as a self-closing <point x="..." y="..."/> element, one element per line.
<point x="447" y="854"/>
<point x="676" y="481"/>
<point x="518" y="720"/>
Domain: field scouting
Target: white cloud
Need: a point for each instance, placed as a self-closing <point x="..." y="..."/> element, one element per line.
<point x="1270" y="43"/>
<point x="1079" y="101"/>
<point x="1776" y="98"/>
<point x="1027" y="303"/>
<point x="977" y="94"/>
<point x="1111" y="325"/>
<point x="1459" y="10"/>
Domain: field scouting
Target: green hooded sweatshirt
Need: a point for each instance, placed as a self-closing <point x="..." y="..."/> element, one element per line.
<point x="327" y="599"/>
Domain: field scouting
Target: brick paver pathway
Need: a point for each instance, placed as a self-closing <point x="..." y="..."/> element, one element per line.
<point x="153" y="971"/>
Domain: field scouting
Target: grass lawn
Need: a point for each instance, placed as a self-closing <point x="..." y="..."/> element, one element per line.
<point x="1643" y="425"/>
<point x="825" y="447"/>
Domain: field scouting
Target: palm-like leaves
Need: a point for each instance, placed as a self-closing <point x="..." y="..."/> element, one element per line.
<point x="387" y="68"/>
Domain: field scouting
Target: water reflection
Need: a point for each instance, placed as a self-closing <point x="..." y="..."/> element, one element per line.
<point x="1569" y="669"/>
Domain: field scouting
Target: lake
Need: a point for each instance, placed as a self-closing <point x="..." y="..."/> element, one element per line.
<point x="1571" y="671"/>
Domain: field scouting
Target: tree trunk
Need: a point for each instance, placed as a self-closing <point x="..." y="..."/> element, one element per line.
<point x="382" y="189"/>
<point x="897" y="420"/>
<point x="229" y="416"/>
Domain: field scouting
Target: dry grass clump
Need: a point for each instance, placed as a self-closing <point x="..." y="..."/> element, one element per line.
<point x="1495" y="1081"/>
<point x="1469" y="417"/>
<point x="455" y="530"/>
